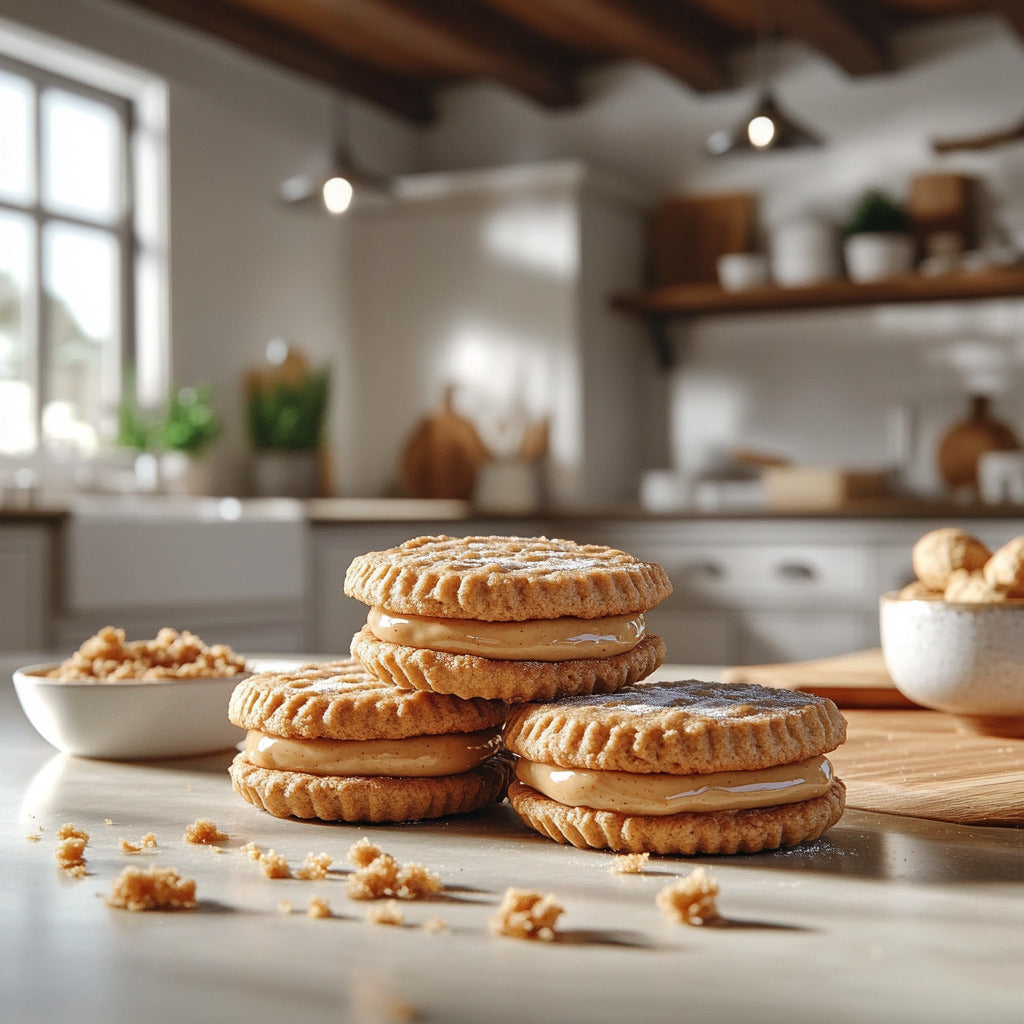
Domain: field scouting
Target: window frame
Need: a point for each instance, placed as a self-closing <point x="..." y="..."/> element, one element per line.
<point x="122" y="228"/>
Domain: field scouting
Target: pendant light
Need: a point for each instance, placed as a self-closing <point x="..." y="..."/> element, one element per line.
<point x="767" y="127"/>
<point x="334" y="187"/>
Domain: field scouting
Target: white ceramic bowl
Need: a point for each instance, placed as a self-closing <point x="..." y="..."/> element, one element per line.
<point x="129" y="719"/>
<point x="965" y="659"/>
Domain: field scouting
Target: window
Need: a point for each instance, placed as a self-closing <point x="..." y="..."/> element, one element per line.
<point x="67" y="260"/>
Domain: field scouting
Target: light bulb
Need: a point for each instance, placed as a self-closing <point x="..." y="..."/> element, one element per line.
<point x="761" y="131"/>
<point x="337" y="194"/>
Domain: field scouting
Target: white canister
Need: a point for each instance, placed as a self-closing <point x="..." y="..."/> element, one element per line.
<point x="804" y="251"/>
<point x="876" y="255"/>
<point x="741" y="270"/>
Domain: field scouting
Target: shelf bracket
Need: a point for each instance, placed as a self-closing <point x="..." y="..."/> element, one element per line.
<point x="661" y="340"/>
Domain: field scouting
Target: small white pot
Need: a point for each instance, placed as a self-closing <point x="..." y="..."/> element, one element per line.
<point x="286" y="474"/>
<point x="804" y="252"/>
<point x="874" y="256"/>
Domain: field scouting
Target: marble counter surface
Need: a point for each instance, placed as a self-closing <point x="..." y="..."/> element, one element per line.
<point x="883" y="919"/>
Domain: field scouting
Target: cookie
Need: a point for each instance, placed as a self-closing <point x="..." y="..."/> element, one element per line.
<point x="939" y="552"/>
<point x="972" y="588"/>
<point x="678" y="768"/>
<point x="331" y="741"/>
<point x="507" y="618"/>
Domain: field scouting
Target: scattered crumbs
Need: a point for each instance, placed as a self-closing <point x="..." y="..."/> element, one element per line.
<point x="318" y="907"/>
<point x="386" y="913"/>
<point x="108" y="821"/>
<point x="152" y="888"/>
<point x="147" y="842"/>
<point x="188" y="788"/>
<point x="369" y="1001"/>
<point x="629" y="863"/>
<point x="217" y="849"/>
<point x="203" y="832"/>
<point x="70" y="850"/>
<point x="34" y="837"/>
<point x="382" y="876"/>
<point x="274" y="865"/>
<point x="435" y="925"/>
<point x="251" y="850"/>
<point x="284" y="907"/>
<point x="690" y="900"/>
<point x="526" y="915"/>
<point x="314" y="867"/>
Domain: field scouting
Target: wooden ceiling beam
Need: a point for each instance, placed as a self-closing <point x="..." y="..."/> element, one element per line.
<point x="269" y="39"/>
<point x="457" y="40"/>
<point x="655" y="33"/>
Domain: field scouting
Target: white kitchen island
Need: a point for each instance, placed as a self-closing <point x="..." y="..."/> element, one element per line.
<point x="883" y="919"/>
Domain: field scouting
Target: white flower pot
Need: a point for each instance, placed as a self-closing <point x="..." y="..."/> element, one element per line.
<point x="286" y="474"/>
<point x="804" y="252"/>
<point x="874" y="256"/>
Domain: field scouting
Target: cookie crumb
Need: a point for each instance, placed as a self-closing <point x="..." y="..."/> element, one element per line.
<point x="388" y="913"/>
<point x="435" y="925"/>
<point x="34" y="837"/>
<point x="251" y="850"/>
<point x="690" y="900"/>
<point x="203" y="832"/>
<point x="70" y="850"/>
<point x="629" y="863"/>
<point x="274" y="865"/>
<point x="147" y="842"/>
<point x="152" y="888"/>
<point x="523" y="914"/>
<point x="318" y="907"/>
<point x="108" y="821"/>
<point x="378" y="876"/>
<point x="314" y="867"/>
<point x="284" y="907"/>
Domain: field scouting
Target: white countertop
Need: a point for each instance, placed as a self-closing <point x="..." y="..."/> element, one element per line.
<point x="883" y="919"/>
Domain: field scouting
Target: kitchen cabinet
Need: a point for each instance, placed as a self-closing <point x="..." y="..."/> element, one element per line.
<point x="27" y="556"/>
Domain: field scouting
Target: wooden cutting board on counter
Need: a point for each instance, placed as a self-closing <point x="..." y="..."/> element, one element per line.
<point x="857" y="680"/>
<point x="899" y="758"/>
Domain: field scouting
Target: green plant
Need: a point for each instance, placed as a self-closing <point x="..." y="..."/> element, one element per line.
<point x="190" y="424"/>
<point x="875" y="211"/>
<point x="289" y="416"/>
<point x="137" y="428"/>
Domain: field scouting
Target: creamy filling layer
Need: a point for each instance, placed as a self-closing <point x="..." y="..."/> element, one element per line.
<point x="561" y="639"/>
<point x="632" y="793"/>
<point x="415" y="757"/>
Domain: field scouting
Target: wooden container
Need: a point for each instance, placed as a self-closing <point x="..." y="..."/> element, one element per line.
<point x="820" y="487"/>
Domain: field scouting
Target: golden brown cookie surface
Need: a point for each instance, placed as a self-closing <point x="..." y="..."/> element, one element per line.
<point x="370" y="798"/>
<point x="744" y="831"/>
<point x="505" y="579"/>
<point x="939" y="552"/>
<point x="677" y="728"/>
<point x="341" y="700"/>
<point x="468" y="677"/>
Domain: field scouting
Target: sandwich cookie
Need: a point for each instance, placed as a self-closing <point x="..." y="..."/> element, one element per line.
<point x="331" y="741"/>
<point x="507" y="618"/>
<point x="678" y="768"/>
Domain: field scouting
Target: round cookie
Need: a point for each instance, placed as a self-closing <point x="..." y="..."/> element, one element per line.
<point x="505" y="579"/>
<point x="727" y="754"/>
<point x="431" y="597"/>
<point x="306" y="721"/>
<point x="939" y="552"/>
<point x="1005" y="569"/>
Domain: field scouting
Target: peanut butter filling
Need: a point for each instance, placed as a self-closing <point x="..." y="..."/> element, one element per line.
<point x="415" y="757"/>
<point x="561" y="639"/>
<point x="632" y="793"/>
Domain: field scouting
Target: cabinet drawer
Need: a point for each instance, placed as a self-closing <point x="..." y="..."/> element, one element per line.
<point x="744" y="575"/>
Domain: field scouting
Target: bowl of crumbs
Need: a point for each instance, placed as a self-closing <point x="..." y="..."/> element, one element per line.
<point x="953" y="639"/>
<point x="135" y="699"/>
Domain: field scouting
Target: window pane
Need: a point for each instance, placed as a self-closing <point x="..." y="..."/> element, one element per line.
<point x="81" y="274"/>
<point x="17" y="400"/>
<point x="81" y="156"/>
<point x="16" y="146"/>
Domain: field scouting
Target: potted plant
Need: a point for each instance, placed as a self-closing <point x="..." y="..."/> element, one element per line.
<point x="189" y="427"/>
<point x="286" y="417"/>
<point x="877" y="239"/>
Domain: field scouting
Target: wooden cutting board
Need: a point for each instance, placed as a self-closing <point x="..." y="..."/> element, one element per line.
<point x="857" y="680"/>
<point x="920" y="764"/>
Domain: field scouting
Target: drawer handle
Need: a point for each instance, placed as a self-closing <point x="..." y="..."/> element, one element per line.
<point x="709" y="570"/>
<point x="797" y="571"/>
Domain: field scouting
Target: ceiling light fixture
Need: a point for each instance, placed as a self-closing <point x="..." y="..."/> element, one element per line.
<point x="334" y="187"/>
<point x="767" y="126"/>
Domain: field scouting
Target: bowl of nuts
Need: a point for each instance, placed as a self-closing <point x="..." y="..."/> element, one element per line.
<point x="135" y="700"/>
<point x="953" y="640"/>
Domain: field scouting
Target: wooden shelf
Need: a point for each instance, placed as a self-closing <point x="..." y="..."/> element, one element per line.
<point x="687" y="300"/>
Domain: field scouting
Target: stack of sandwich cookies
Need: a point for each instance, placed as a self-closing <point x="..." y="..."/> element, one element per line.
<point x="330" y="741"/>
<point x="678" y="768"/>
<point x="507" y="618"/>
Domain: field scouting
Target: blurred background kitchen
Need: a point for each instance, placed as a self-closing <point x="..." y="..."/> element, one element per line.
<point x="730" y="284"/>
